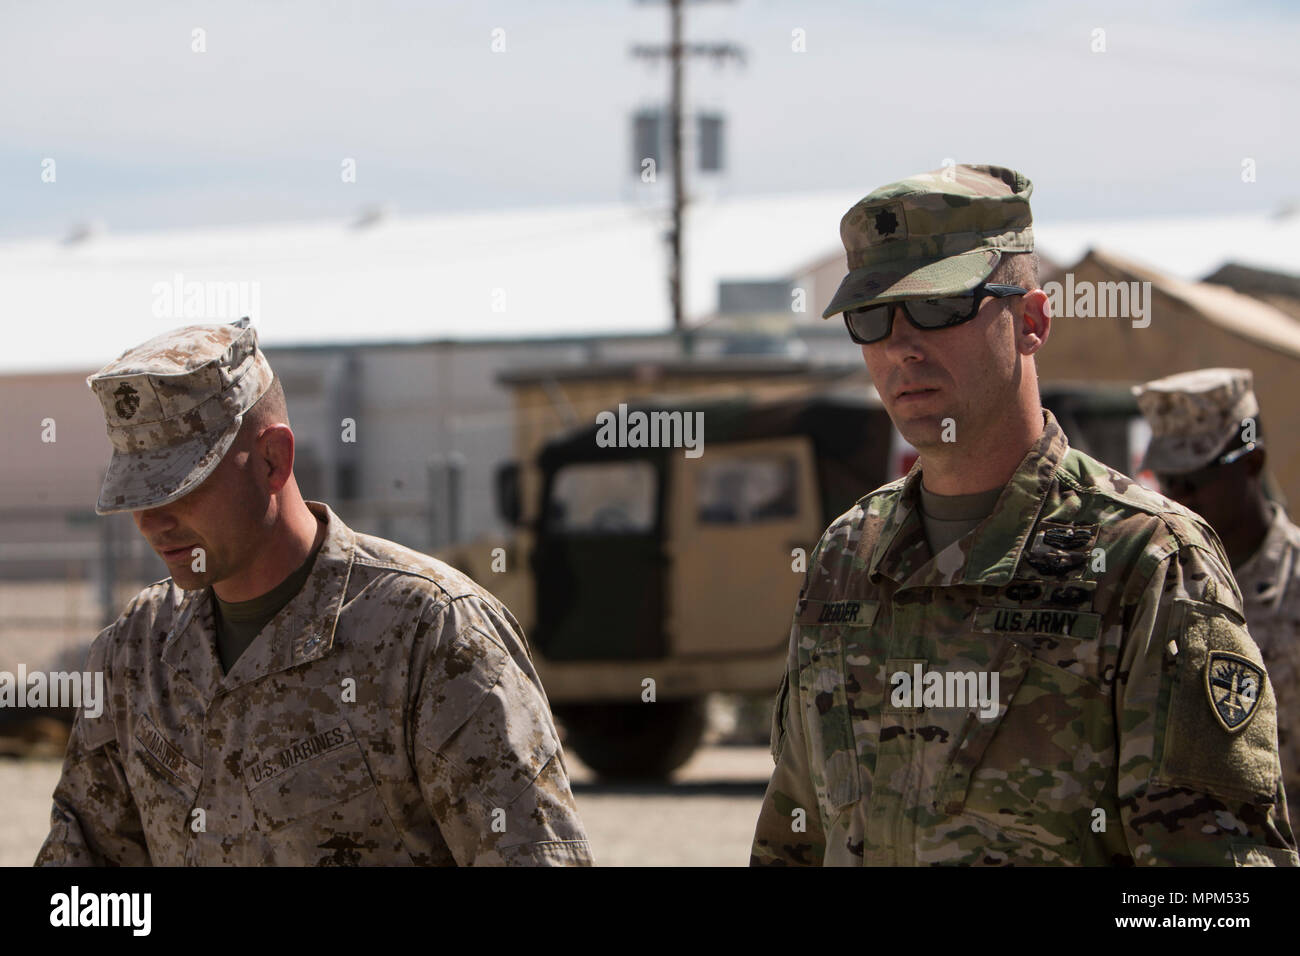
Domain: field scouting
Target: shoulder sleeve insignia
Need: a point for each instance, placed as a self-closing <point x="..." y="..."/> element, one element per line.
<point x="1227" y="749"/>
<point x="1233" y="685"/>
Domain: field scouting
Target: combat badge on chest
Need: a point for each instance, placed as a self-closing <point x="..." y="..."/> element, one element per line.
<point x="1061" y="550"/>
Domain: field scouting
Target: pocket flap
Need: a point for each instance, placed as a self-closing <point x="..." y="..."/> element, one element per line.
<point x="1011" y="664"/>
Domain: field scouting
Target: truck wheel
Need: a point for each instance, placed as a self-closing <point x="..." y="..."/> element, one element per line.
<point x="642" y="741"/>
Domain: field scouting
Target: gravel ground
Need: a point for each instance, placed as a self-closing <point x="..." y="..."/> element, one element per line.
<point x="705" y="817"/>
<point x="25" y="789"/>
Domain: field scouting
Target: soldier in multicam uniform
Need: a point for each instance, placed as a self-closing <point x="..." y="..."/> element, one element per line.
<point x="295" y="693"/>
<point x="1208" y="453"/>
<point x="1130" y="719"/>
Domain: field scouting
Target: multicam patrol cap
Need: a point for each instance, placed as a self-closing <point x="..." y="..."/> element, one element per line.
<point x="932" y="234"/>
<point x="173" y="406"/>
<point x="1194" y="416"/>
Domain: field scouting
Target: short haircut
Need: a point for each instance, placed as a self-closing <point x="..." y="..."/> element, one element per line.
<point x="1016" y="268"/>
<point x="270" y="409"/>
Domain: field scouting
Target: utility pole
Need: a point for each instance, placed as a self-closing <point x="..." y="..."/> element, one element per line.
<point x="676" y="51"/>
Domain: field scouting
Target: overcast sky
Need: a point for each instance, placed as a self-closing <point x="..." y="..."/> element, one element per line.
<point x="147" y="134"/>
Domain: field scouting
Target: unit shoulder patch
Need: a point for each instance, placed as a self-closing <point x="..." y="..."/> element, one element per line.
<point x="1233" y="686"/>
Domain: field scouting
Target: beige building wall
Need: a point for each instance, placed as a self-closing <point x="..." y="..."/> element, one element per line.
<point x="1193" y="326"/>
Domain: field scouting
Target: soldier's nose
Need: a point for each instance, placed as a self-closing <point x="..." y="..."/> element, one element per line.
<point x="903" y="340"/>
<point x="154" y="519"/>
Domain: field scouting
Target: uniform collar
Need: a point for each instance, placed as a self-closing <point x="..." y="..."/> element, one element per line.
<point x="1265" y="566"/>
<point x="990" y="553"/>
<point x="302" y="631"/>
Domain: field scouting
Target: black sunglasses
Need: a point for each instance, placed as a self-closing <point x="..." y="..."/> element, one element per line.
<point x="876" y="322"/>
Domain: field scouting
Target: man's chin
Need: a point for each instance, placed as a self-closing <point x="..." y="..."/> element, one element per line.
<point x="188" y="580"/>
<point x="922" y="431"/>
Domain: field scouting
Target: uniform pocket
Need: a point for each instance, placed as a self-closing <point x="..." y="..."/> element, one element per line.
<point x="833" y="757"/>
<point x="1037" y="772"/>
<point x="164" y="786"/>
<point x="777" y="728"/>
<point x="1218" y="732"/>
<point x="164" y="801"/>
<point x="327" y="812"/>
<point x="830" y="696"/>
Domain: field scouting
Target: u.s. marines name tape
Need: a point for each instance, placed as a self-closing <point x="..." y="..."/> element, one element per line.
<point x="261" y="769"/>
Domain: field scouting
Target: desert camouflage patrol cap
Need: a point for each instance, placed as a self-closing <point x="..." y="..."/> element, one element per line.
<point x="1194" y="416"/>
<point x="173" y="406"/>
<point x="932" y="234"/>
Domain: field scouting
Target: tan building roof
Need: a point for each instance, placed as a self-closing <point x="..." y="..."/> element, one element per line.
<point x="1192" y="325"/>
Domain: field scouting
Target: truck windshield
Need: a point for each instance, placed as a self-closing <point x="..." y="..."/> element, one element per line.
<point x="747" y="490"/>
<point x="606" y="498"/>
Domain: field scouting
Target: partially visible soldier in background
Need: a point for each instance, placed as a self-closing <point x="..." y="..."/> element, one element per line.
<point x="1208" y="453"/>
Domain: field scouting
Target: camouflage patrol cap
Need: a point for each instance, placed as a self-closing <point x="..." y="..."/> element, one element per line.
<point x="1194" y="415"/>
<point x="932" y="234"/>
<point x="173" y="406"/>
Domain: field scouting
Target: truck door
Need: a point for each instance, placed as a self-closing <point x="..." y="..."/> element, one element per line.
<point x="734" y="516"/>
<point x="599" y="564"/>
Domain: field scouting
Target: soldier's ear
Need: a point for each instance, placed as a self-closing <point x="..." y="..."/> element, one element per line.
<point x="1034" y="322"/>
<point x="275" y="447"/>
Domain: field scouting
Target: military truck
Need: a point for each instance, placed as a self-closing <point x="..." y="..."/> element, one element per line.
<point x="648" y="579"/>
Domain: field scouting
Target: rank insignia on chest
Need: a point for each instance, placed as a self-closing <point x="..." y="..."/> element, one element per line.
<point x="1233" y="685"/>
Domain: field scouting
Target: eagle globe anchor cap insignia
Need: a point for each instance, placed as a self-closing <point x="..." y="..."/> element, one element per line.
<point x="1233" y="684"/>
<point x="128" y="400"/>
<point x="172" y="407"/>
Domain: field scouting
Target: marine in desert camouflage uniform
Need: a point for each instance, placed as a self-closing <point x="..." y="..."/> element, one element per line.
<point x="386" y="713"/>
<point x="1208" y="453"/>
<point x="1133" y="722"/>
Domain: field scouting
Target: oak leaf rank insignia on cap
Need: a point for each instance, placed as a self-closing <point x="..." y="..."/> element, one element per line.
<point x="173" y="407"/>
<point x="933" y="234"/>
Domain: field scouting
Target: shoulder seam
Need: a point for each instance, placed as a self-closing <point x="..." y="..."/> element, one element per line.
<point x="885" y="490"/>
<point x="1064" y="477"/>
<point x="401" y="569"/>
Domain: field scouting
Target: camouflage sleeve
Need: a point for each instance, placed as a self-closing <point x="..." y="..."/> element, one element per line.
<point x="790" y="831"/>
<point x="486" y="753"/>
<point x="94" y="821"/>
<point x="1199" y="781"/>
